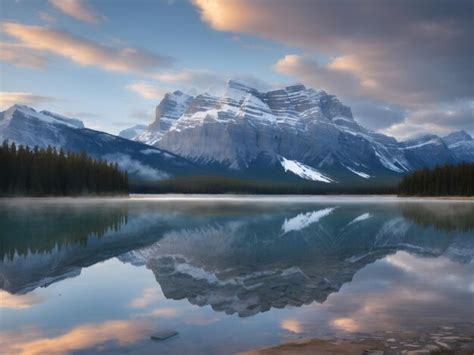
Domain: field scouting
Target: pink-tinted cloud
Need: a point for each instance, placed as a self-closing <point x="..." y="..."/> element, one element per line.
<point x="84" y="51"/>
<point x="78" y="9"/>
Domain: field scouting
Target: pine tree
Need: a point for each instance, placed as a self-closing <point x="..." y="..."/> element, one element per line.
<point x="47" y="172"/>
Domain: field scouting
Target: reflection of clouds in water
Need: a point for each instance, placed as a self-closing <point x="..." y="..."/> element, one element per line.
<point x="202" y="320"/>
<point x="346" y="324"/>
<point x="400" y="291"/>
<point x="149" y="297"/>
<point x="291" y="325"/>
<point x="81" y="337"/>
<point x="18" y="301"/>
<point x="165" y="312"/>
<point x="438" y="272"/>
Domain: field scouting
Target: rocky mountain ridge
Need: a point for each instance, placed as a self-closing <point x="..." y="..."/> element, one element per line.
<point x="308" y="133"/>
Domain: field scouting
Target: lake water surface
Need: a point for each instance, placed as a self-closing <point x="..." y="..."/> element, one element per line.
<point x="230" y="273"/>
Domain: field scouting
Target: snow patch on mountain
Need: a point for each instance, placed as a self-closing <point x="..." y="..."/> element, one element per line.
<point x="304" y="171"/>
<point x="359" y="173"/>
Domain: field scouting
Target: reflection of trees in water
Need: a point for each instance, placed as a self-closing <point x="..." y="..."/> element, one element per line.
<point x="453" y="217"/>
<point x="25" y="231"/>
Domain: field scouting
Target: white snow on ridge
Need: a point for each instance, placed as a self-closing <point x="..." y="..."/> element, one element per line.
<point x="44" y="116"/>
<point x="387" y="163"/>
<point x="304" y="171"/>
<point x="361" y="174"/>
<point x="431" y="141"/>
<point x="303" y="220"/>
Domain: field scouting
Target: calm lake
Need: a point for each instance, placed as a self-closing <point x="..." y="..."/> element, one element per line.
<point x="230" y="273"/>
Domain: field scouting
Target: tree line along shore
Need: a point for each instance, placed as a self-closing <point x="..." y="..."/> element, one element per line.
<point x="49" y="172"/>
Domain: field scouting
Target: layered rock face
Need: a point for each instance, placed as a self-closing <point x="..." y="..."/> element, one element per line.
<point x="307" y="127"/>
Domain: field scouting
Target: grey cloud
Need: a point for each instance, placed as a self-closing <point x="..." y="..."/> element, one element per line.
<point x="377" y="115"/>
<point x="459" y="115"/>
<point x="408" y="54"/>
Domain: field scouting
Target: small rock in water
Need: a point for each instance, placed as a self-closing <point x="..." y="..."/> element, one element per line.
<point x="373" y="352"/>
<point x="164" y="334"/>
<point x="391" y="340"/>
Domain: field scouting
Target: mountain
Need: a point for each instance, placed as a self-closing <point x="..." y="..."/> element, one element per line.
<point x="294" y="132"/>
<point x="132" y="132"/>
<point x="24" y="125"/>
<point x="461" y="144"/>
<point x="290" y="135"/>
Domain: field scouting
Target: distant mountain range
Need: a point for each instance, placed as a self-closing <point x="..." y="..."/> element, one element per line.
<point x="24" y="125"/>
<point x="295" y="133"/>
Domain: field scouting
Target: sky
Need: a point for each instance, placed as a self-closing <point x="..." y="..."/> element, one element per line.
<point x="405" y="67"/>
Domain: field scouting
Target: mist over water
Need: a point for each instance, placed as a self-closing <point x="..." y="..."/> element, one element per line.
<point x="229" y="273"/>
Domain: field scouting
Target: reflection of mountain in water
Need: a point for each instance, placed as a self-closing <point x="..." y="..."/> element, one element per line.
<point x="24" y="232"/>
<point x="50" y="242"/>
<point x="249" y="265"/>
<point x="453" y="217"/>
<point x="239" y="258"/>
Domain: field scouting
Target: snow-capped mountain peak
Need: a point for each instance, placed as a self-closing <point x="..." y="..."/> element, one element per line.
<point x="457" y="137"/>
<point x="23" y="111"/>
<point x="312" y="128"/>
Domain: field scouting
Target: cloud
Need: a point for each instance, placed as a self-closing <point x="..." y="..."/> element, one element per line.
<point x="78" y="9"/>
<point x="46" y="17"/>
<point x="406" y="54"/>
<point x="438" y="119"/>
<point x="8" y="99"/>
<point x="376" y="114"/>
<point x="135" y="167"/>
<point x="318" y="76"/>
<point x="83" y="51"/>
<point x="22" y="56"/>
<point x="146" y="90"/>
<point x="81" y="114"/>
<point x="139" y="114"/>
<point x="201" y="79"/>
<point x="195" y="81"/>
<point x="458" y="115"/>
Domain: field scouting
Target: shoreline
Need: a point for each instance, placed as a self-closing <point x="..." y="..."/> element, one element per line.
<point x="383" y="198"/>
<point x="439" y="341"/>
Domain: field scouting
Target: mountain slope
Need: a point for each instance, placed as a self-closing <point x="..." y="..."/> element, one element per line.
<point x="24" y="125"/>
<point x="251" y="133"/>
<point x="461" y="145"/>
<point x="132" y="132"/>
